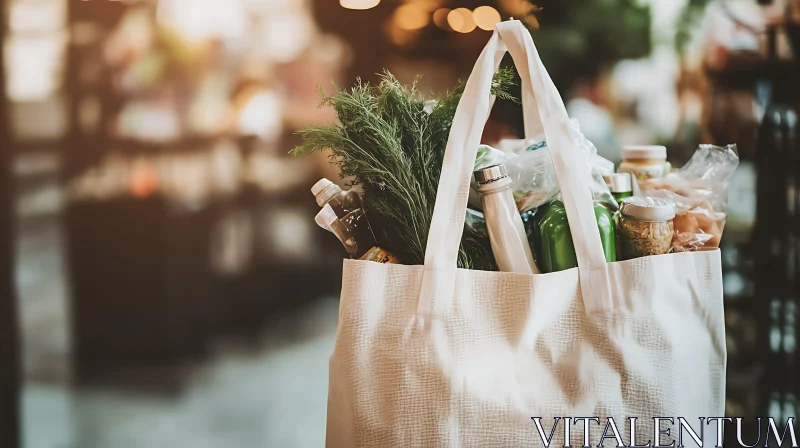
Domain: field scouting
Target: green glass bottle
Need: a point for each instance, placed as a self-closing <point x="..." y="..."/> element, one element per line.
<point x="553" y="240"/>
<point x="620" y="184"/>
<point x="534" y="235"/>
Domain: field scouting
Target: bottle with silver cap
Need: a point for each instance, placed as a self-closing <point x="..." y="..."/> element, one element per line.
<point x="506" y="231"/>
<point x="620" y="184"/>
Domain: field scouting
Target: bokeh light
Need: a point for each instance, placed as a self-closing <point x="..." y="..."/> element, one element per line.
<point x="411" y="17"/>
<point x="461" y="20"/>
<point x="486" y="17"/>
<point x="440" y="18"/>
<point x="359" y="4"/>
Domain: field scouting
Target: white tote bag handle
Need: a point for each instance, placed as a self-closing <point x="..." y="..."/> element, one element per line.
<point x="572" y="171"/>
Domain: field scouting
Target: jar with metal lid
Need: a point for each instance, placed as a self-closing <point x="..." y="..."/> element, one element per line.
<point x="645" y="226"/>
<point x="620" y="185"/>
<point x="645" y="161"/>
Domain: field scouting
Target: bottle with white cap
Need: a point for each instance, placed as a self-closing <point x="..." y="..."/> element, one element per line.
<point x="506" y="231"/>
<point x="342" y="202"/>
<point x="358" y="247"/>
<point x="343" y="215"/>
<point x="645" y="161"/>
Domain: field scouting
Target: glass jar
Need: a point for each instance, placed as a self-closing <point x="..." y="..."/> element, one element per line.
<point x="645" y="162"/>
<point x="645" y="226"/>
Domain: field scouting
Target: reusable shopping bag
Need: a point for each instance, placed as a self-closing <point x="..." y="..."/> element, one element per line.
<point x="436" y="356"/>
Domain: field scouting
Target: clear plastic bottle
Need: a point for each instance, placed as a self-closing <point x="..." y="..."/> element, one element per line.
<point x="342" y="202"/>
<point x="327" y="219"/>
<point x="506" y="231"/>
<point x="349" y="210"/>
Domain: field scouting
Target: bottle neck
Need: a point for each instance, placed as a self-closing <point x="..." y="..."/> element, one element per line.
<point x="327" y="194"/>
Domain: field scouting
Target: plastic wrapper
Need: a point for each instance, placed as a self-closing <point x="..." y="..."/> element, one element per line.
<point x="598" y="166"/>
<point x="700" y="192"/>
<point x="531" y="170"/>
<point x="533" y="176"/>
<point x="476" y="221"/>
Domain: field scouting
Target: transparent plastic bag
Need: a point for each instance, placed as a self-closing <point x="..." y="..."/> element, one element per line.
<point x="700" y="192"/>
<point x="533" y="176"/>
<point x="598" y="166"/>
<point x="529" y="167"/>
<point x="531" y="170"/>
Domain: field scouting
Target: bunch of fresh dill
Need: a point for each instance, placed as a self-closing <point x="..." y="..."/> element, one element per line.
<point x="393" y="146"/>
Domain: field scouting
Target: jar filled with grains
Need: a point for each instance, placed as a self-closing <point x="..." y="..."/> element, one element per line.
<point x="645" y="226"/>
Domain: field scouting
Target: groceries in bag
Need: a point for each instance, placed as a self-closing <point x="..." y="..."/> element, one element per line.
<point x="528" y="164"/>
<point x="342" y="202"/>
<point x="399" y="177"/>
<point x="645" y="226"/>
<point x="553" y="239"/>
<point x="530" y="167"/>
<point x="620" y="184"/>
<point x="510" y="245"/>
<point x="343" y="215"/>
<point x="645" y="161"/>
<point x="379" y="255"/>
<point x="328" y="220"/>
<point x="699" y="190"/>
<point x="390" y="140"/>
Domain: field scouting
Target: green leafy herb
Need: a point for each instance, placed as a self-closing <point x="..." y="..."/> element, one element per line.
<point x="393" y="147"/>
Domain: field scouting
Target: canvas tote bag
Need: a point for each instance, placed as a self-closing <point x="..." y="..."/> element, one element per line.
<point x="435" y="356"/>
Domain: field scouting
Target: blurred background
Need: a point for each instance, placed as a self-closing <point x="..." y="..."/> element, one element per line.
<point x="162" y="280"/>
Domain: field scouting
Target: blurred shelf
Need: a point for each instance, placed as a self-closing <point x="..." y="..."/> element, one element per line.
<point x="745" y="74"/>
<point x="188" y="144"/>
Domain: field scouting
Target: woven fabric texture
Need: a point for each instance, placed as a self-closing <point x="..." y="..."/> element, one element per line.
<point x="511" y="347"/>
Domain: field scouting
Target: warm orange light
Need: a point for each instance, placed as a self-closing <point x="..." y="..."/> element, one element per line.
<point x="359" y="4"/>
<point x="486" y="17"/>
<point x="144" y="182"/>
<point x="461" y="20"/>
<point x="400" y="36"/>
<point x="440" y="18"/>
<point x="411" y="17"/>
